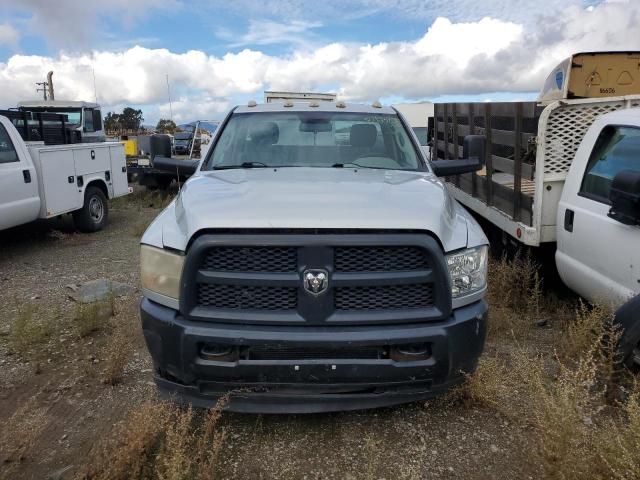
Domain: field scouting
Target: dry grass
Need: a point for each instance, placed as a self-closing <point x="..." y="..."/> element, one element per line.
<point x="116" y="354"/>
<point x="144" y="198"/>
<point x="140" y="227"/>
<point x="161" y="441"/>
<point x="580" y="419"/>
<point x="515" y="295"/>
<point x="30" y="327"/>
<point x="19" y="433"/>
<point x="590" y="323"/>
<point x="620" y="441"/>
<point x="91" y="317"/>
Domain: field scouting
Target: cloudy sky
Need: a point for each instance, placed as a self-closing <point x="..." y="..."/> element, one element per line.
<point x="218" y="53"/>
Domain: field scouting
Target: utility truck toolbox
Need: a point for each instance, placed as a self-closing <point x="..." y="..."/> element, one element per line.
<point x="306" y="273"/>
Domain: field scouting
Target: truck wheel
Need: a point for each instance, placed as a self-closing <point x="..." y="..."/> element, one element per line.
<point x="164" y="182"/>
<point x="93" y="215"/>
<point x="627" y="318"/>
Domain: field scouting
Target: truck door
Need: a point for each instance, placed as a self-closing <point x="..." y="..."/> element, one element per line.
<point x="19" y="200"/>
<point x="92" y="126"/>
<point x="598" y="256"/>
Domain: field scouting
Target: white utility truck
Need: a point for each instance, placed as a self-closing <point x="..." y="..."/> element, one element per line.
<point x="43" y="175"/>
<point x="563" y="172"/>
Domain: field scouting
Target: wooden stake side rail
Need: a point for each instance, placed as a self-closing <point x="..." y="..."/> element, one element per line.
<point x="510" y="128"/>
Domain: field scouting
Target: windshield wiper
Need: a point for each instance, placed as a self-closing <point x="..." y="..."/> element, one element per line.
<point x="349" y="164"/>
<point x="241" y="165"/>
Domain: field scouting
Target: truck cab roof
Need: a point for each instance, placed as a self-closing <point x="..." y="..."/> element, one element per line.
<point x="56" y="104"/>
<point x="305" y="106"/>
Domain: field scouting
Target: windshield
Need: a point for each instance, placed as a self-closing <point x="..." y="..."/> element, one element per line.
<point x="314" y="139"/>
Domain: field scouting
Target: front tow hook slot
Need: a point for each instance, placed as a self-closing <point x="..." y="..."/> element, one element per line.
<point x="219" y="353"/>
<point x="410" y="352"/>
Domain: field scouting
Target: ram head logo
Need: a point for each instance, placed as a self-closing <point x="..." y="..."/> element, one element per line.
<point x="315" y="281"/>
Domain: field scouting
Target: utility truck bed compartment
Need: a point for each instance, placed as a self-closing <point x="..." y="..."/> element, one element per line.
<point x="64" y="169"/>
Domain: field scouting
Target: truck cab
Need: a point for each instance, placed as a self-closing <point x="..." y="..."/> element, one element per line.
<point x="182" y="143"/>
<point x="313" y="262"/>
<point x="598" y="253"/>
<point x="19" y="198"/>
<point x="83" y="118"/>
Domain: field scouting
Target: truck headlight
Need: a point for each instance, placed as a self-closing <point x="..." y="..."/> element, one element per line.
<point x="468" y="270"/>
<point x="160" y="271"/>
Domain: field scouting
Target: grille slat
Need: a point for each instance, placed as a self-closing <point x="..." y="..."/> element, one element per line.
<point x="380" y="259"/>
<point x="252" y="259"/>
<point x="245" y="297"/>
<point x="384" y="297"/>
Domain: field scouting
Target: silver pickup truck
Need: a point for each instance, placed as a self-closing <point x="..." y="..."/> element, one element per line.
<point x="314" y="262"/>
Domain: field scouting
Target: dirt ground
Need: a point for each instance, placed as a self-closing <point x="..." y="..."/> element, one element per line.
<point x="54" y="394"/>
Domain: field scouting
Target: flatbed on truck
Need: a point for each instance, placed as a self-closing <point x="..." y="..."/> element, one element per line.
<point x="563" y="173"/>
<point x="530" y="145"/>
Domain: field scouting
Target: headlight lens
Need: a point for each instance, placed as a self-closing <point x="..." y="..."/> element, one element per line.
<point x="468" y="271"/>
<point x="160" y="271"/>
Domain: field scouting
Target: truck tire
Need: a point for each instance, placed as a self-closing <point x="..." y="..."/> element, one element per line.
<point x="627" y="318"/>
<point x="93" y="215"/>
<point x="164" y="182"/>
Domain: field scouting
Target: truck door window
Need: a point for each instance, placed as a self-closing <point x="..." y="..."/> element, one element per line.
<point x="7" y="150"/>
<point x="97" y="120"/>
<point x="88" y="120"/>
<point x="617" y="148"/>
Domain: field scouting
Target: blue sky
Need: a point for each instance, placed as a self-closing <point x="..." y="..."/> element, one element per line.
<point x="218" y="53"/>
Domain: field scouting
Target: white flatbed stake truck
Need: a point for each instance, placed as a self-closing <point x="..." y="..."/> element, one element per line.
<point x="40" y="180"/>
<point x="563" y="172"/>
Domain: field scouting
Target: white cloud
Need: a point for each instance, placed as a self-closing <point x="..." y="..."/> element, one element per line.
<point x="267" y="32"/>
<point x="451" y="58"/>
<point x="74" y="24"/>
<point x="8" y="35"/>
<point x="463" y="41"/>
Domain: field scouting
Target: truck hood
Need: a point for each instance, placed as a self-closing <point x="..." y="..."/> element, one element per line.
<point x="311" y="198"/>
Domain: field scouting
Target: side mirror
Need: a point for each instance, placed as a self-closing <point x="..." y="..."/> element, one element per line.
<point x="183" y="168"/>
<point x="625" y="197"/>
<point x="473" y="151"/>
<point x="475" y="146"/>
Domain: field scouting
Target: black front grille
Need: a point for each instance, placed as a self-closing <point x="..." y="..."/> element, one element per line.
<point x="257" y="278"/>
<point x="380" y="259"/>
<point x="285" y="352"/>
<point x="384" y="297"/>
<point x="251" y="259"/>
<point x="247" y="297"/>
